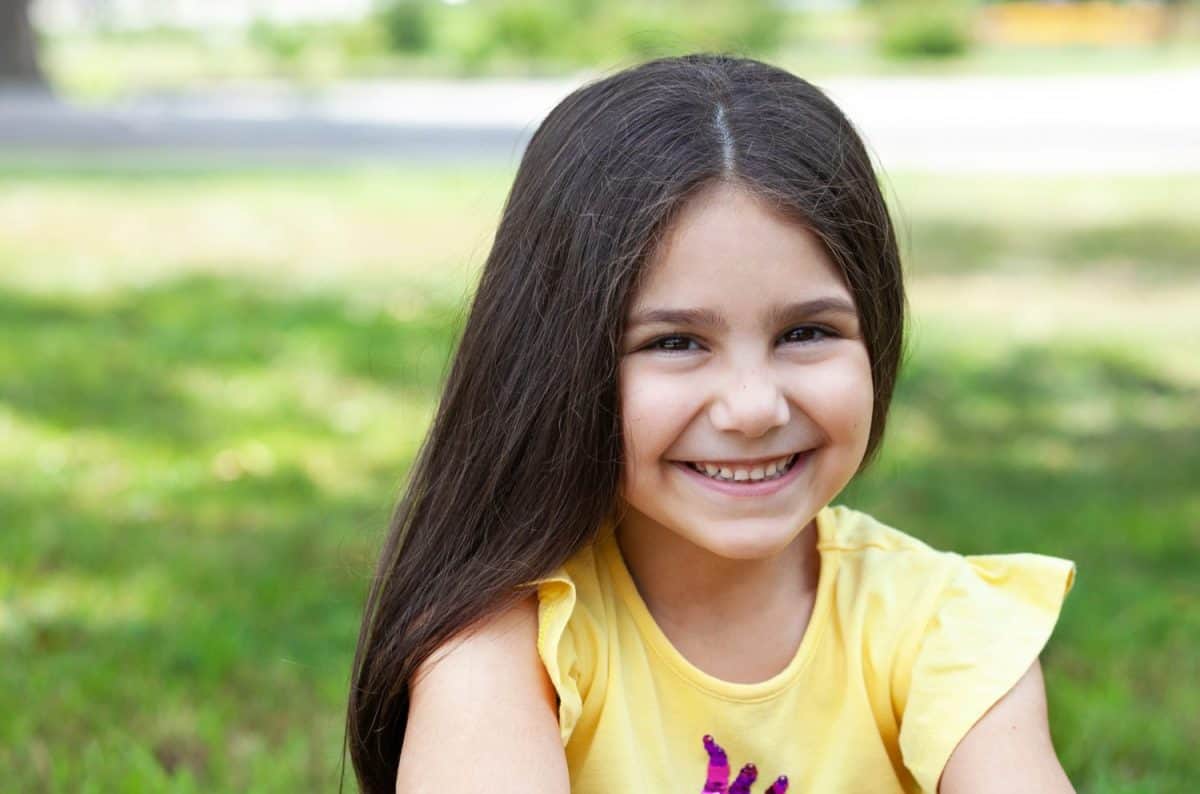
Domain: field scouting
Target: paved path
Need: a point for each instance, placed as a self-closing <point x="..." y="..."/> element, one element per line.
<point x="1147" y="123"/>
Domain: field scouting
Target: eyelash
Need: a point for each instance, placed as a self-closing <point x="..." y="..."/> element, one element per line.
<point x="828" y="333"/>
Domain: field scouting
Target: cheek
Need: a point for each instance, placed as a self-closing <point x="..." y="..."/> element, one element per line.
<point x="651" y="413"/>
<point x="859" y="395"/>
<point x="842" y="393"/>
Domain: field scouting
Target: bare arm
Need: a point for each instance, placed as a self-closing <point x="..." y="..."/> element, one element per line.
<point x="483" y="716"/>
<point x="1009" y="748"/>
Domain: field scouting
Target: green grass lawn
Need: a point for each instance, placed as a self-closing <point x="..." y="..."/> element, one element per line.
<point x="211" y="386"/>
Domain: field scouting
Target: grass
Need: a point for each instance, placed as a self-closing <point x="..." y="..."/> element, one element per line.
<point x="213" y="382"/>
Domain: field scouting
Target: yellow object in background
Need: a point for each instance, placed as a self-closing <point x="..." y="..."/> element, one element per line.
<point x="1073" y="23"/>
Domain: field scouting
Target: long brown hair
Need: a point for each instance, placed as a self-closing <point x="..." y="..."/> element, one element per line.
<point x="522" y="460"/>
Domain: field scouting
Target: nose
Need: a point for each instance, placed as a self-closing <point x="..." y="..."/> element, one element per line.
<point x="750" y="403"/>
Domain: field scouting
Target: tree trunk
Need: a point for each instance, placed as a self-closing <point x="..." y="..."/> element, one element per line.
<point x="18" y="45"/>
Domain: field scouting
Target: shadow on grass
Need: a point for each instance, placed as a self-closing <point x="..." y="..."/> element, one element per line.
<point x="113" y="365"/>
<point x="187" y="609"/>
<point x="219" y="616"/>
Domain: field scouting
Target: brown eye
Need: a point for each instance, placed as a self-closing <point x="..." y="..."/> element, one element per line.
<point x="804" y="334"/>
<point x="671" y="344"/>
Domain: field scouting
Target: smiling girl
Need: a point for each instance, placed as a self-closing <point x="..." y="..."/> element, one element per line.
<point x="618" y="563"/>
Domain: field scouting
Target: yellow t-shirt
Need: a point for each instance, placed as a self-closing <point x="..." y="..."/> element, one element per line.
<point x="906" y="649"/>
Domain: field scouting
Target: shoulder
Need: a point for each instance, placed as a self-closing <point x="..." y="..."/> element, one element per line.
<point x="877" y="561"/>
<point x="488" y="676"/>
<point x="1010" y="747"/>
<point x="501" y="650"/>
<point x="942" y="629"/>
<point x="848" y="529"/>
<point x="885" y="554"/>
<point x="570" y="638"/>
<point x="572" y="600"/>
<point x="955" y="635"/>
<point x="913" y="588"/>
<point x="888" y="585"/>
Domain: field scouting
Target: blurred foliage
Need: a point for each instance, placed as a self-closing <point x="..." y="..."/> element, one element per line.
<point x="363" y="40"/>
<point x="313" y="49"/>
<point x="928" y="29"/>
<point x="408" y="25"/>
<point x="284" y="42"/>
<point x="582" y="32"/>
<point x="534" y="37"/>
<point x="411" y="37"/>
<point x="528" y="29"/>
<point x="213" y="383"/>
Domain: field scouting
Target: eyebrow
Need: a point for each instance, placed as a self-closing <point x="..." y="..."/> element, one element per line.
<point x="708" y="318"/>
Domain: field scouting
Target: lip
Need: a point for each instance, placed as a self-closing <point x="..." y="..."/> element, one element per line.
<point x="754" y="489"/>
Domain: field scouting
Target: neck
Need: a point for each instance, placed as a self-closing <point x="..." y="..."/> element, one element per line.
<point x="694" y="593"/>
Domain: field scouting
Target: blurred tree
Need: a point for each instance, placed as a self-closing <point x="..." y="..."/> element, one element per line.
<point x="407" y="24"/>
<point x="592" y="32"/>
<point x="928" y="29"/>
<point x="18" y="45"/>
<point x="285" y="43"/>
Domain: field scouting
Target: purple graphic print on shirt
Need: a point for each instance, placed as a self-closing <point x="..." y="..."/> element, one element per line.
<point x="718" y="774"/>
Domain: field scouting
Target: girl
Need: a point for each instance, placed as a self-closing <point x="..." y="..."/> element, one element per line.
<point x="617" y="563"/>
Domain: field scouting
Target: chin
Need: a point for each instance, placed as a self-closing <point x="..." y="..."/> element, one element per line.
<point x="746" y="540"/>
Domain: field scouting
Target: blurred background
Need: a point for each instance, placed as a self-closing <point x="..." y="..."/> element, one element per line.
<point x="237" y="238"/>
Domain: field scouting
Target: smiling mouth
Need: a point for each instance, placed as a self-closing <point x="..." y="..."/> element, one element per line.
<point x="748" y="473"/>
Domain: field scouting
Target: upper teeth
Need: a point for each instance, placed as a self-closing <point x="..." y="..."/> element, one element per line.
<point x="757" y="472"/>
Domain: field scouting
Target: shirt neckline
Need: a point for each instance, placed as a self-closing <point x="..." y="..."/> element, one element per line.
<point x="654" y="636"/>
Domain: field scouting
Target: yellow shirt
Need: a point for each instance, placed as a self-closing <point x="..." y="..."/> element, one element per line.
<point x="906" y="649"/>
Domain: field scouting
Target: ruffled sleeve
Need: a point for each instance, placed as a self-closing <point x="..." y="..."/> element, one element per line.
<point x="988" y="625"/>
<point x="557" y="647"/>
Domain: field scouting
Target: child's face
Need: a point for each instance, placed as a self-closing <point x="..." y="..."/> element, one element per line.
<point x="766" y="386"/>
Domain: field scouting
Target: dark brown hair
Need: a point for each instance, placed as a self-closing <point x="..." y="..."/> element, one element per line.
<point x="522" y="461"/>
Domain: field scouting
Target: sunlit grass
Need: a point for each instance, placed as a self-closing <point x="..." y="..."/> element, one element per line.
<point x="99" y="233"/>
<point x="212" y="384"/>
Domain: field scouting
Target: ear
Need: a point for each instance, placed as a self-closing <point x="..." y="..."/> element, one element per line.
<point x="1009" y="748"/>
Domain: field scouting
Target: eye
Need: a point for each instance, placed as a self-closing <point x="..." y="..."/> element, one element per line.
<point x="671" y="344"/>
<point x="806" y="331"/>
<point x="801" y="334"/>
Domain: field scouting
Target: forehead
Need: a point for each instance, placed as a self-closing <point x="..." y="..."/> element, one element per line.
<point x="727" y="244"/>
